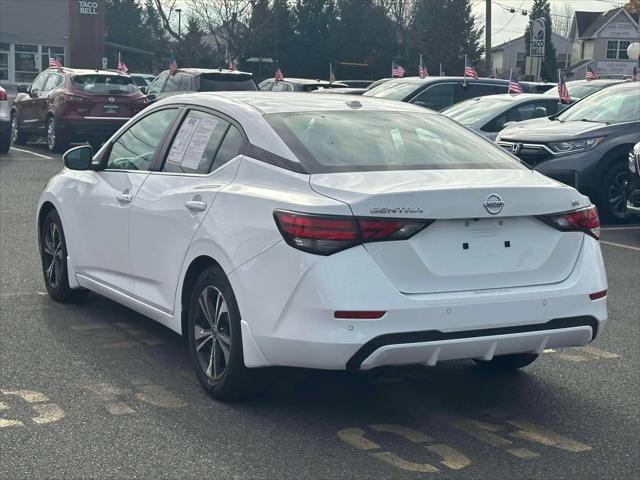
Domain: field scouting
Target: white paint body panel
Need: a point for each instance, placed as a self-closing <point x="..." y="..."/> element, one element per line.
<point x="139" y="255"/>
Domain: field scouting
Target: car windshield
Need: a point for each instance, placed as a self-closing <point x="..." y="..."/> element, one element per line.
<point x="104" y="84"/>
<point x="392" y="90"/>
<point x="213" y="82"/>
<point x="610" y="105"/>
<point x="367" y="140"/>
<point x="471" y="112"/>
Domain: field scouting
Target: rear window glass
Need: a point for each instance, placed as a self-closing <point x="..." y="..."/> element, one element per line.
<point x="104" y="84"/>
<point x="363" y="141"/>
<point x="221" y="83"/>
<point x="394" y="90"/>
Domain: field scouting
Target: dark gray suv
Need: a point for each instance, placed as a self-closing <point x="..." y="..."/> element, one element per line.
<point x="585" y="146"/>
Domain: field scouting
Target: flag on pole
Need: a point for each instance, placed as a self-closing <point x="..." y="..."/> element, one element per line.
<point x="469" y="71"/>
<point x="422" y="69"/>
<point x="514" y="84"/>
<point x="396" y="70"/>
<point x="591" y="74"/>
<point x="232" y="66"/>
<point x="173" y="65"/>
<point x="332" y="76"/>
<point x="121" y="65"/>
<point x="563" y="91"/>
<point x="54" y="62"/>
<point x="278" y="75"/>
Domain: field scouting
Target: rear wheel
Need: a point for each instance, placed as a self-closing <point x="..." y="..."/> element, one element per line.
<point x="53" y="252"/>
<point x="613" y="197"/>
<point x="17" y="136"/>
<point x="56" y="138"/>
<point x="215" y="339"/>
<point x="508" y="362"/>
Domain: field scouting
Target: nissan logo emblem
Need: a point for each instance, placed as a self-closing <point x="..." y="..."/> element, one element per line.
<point x="493" y="204"/>
<point x="111" y="99"/>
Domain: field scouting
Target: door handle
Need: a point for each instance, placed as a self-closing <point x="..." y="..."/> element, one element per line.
<point x="124" y="197"/>
<point x="196" y="205"/>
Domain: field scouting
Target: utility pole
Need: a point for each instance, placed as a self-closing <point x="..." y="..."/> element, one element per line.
<point x="487" y="36"/>
<point x="179" y="10"/>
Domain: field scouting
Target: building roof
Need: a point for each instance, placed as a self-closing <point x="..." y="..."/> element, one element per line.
<point x="521" y="38"/>
<point x="588" y="23"/>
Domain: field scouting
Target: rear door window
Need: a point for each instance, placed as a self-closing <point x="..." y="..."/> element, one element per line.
<point x="53" y="81"/>
<point x="196" y="143"/>
<point x="231" y="147"/>
<point x="173" y="83"/>
<point x="436" y="97"/>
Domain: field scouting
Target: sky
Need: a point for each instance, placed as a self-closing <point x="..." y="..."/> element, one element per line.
<point x="506" y="25"/>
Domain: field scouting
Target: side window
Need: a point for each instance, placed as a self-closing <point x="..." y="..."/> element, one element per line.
<point x="186" y="83"/>
<point x="472" y="90"/>
<point x="53" y="81"/>
<point x="231" y="147"/>
<point x="266" y="87"/>
<point x="39" y="83"/>
<point x="437" y="97"/>
<point x="528" y="111"/>
<point x="135" y="148"/>
<point x="282" y="87"/>
<point x="156" y="85"/>
<point x="173" y="84"/>
<point x="195" y="145"/>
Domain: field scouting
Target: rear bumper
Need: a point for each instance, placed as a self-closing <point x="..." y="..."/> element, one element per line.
<point x="289" y="321"/>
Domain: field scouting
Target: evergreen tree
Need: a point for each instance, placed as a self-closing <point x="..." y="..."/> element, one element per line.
<point x="191" y="51"/>
<point x="444" y="31"/>
<point x="314" y="24"/>
<point x="542" y="9"/>
<point x="157" y="40"/>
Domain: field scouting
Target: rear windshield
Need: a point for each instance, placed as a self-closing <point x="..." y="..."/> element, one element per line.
<point x="104" y="84"/>
<point x="393" y="90"/>
<point x="345" y="141"/>
<point x="478" y="109"/>
<point x="220" y="83"/>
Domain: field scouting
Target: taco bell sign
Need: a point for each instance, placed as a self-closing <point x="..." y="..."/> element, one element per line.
<point x="536" y="45"/>
<point x="88" y="7"/>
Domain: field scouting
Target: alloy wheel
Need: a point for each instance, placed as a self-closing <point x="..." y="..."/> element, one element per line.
<point x="617" y="196"/>
<point x="51" y="134"/>
<point x="53" y="259"/>
<point x="14" y="129"/>
<point x="212" y="333"/>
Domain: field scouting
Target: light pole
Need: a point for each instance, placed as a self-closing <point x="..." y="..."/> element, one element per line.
<point x="633" y="52"/>
<point x="179" y="10"/>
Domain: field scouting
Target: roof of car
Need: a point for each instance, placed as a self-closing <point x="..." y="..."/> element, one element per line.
<point x="309" y="81"/>
<point x="288" y="102"/>
<point x="601" y="81"/>
<point x="418" y="80"/>
<point x="200" y="71"/>
<point x="87" y="71"/>
<point x="507" y="97"/>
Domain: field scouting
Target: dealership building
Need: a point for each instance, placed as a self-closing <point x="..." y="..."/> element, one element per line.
<point x="72" y="30"/>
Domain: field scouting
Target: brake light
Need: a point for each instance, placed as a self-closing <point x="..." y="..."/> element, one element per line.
<point x="3" y="94"/>
<point x="328" y="234"/>
<point x="69" y="97"/>
<point x="359" y="314"/>
<point x="585" y="220"/>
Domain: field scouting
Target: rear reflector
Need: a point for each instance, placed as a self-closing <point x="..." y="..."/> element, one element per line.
<point x="359" y="314"/>
<point x="328" y="234"/>
<point x="598" y="295"/>
<point x="3" y="94"/>
<point x="585" y="220"/>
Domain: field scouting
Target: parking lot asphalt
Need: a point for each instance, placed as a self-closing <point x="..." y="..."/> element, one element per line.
<point x="96" y="390"/>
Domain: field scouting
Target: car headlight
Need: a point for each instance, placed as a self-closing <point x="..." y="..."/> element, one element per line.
<point x="573" y="146"/>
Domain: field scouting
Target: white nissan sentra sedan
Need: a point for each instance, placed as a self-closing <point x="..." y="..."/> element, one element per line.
<point x="325" y="232"/>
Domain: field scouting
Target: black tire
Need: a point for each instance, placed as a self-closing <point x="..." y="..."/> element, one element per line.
<point x="5" y="140"/>
<point x="508" y="362"/>
<point x="17" y="136"/>
<point x="613" y="197"/>
<point x="53" y="251"/>
<point x="57" y="141"/>
<point x="226" y="378"/>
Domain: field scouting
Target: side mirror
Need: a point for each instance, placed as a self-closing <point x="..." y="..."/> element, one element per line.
<point x="22" y="89"/>
<point x="151" y="97"/>
<point x="78" y="158"/>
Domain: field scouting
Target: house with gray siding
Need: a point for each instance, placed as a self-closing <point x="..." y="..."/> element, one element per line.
<point x="513" y="55"/>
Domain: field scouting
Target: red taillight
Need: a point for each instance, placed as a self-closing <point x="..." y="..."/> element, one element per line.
<point x="585" y="220"/>
<point x="328" y="234"/>
<point x="359" y="314"/>
<point x="598" y="295"/>
<point x="3" y="94"/>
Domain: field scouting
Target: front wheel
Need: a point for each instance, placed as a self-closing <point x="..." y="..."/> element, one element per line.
<point x="53" y="252"/>
<point x="215" y="338"/>
<point x="56" y="139"/>
<point x="508" y="362"/>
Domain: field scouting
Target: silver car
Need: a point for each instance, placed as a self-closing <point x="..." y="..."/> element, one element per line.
<point x="5" y="123"/>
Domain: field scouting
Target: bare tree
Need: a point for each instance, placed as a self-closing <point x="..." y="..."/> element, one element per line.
<point x="166" y="8"/>
<point x="562" y="19"/>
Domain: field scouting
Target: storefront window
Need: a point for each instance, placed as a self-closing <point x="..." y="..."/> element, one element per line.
<point x="58" y="52"/>
<point x="26" y="64"/>
<point x="4" y="61"/>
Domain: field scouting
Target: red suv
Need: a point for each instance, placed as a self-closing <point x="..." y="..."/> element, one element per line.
<point x="74" y="105"/>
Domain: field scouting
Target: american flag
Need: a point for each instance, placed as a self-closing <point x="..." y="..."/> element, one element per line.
<point x="121" y="65"/>
<point x="396" y="70"/>
<point x="469" y="71"/>
<point x="422" y="69"/>
<point x="173" y="65"/>
<point x="514" y="84"/>
<point x="232" y="66"/>
<point x="591" y="74"/>
<point x="563" y="91"/>
<point x="53" y="61"/>
<point x="278" y="75"/>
